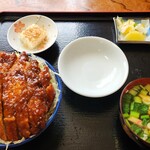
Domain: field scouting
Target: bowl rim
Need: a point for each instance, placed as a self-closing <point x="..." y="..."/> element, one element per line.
<point x="134" y="136"/>
<point x="52" y="116"/>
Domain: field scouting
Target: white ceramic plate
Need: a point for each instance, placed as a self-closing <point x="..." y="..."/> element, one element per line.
<point x="93" y="66"/>
<point x="22" y="23"/>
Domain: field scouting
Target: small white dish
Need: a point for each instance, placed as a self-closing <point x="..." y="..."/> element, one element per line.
<point x="140" y="24"/>
<point x="22" y="23"/>
<point x="93" y="66"/>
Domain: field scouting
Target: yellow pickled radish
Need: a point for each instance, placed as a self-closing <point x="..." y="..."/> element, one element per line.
<point x="135" y="36"/>
<point x="127" y="29"/>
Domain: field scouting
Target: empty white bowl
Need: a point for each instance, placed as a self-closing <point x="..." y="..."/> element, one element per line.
<point x="93" y="66"/>
<point x="22" y="23"/>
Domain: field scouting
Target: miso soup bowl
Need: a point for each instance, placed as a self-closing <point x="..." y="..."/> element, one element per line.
<point x="128" y="131"/>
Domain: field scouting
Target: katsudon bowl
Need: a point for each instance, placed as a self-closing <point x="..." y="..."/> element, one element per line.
<point x="56" y="82"/>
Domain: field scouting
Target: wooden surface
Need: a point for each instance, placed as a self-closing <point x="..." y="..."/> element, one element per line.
<point x="75" y="5"/>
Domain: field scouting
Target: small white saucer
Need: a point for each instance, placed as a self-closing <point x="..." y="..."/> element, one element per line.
<point x="22" y="23"/>
<point x="93" y="66"/>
